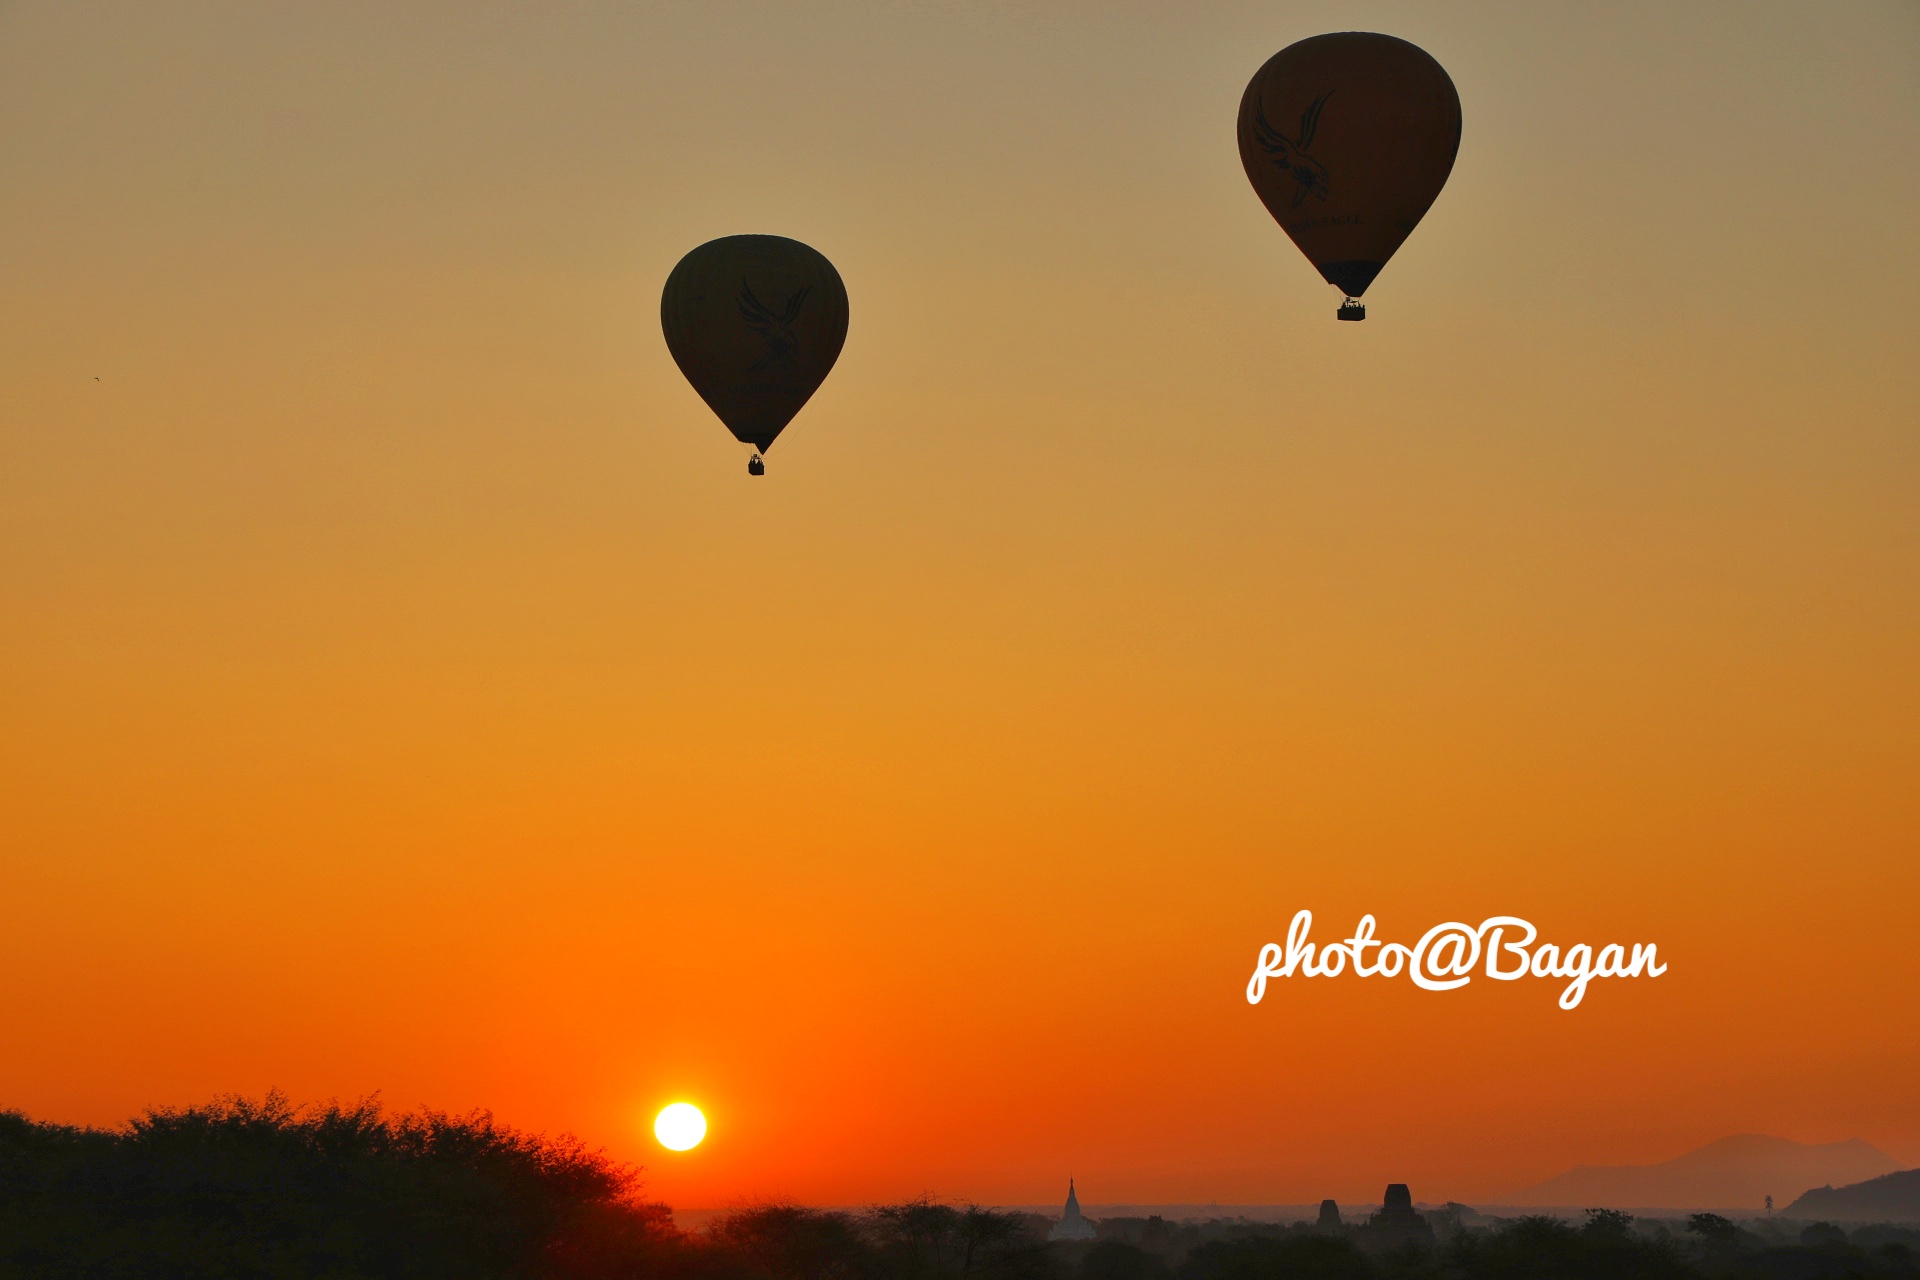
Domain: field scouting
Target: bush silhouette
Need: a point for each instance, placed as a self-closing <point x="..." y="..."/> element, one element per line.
<point x="922" y="1240"/>
<point x="247" y="1188"/>
<point x="1539" y="1246"/>
<point x="1302" y="1256"/>
<point x="1117" y="1260"/>
<point x="789" y="1243"/>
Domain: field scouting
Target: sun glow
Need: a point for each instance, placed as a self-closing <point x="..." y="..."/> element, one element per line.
<point x="680" y="1126"/>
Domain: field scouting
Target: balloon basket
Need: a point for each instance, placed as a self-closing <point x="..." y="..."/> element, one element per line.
<point x="1351" y="309"/>
<point x="756" y="466"/>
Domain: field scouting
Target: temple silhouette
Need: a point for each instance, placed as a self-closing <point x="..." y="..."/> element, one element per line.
<point x="1398" y="1223"/>
<point x="1072" y="1226"/>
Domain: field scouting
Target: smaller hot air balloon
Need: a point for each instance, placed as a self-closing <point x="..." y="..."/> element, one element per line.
<point x="755" y="323"/>
<point x="1347" y="139"/>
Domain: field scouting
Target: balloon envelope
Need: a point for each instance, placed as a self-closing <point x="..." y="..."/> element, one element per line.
<point x="1348" y="139"/>
<point x="755" y="322"/>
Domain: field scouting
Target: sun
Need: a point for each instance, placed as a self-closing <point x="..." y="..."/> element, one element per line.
<point x="680" y="1126"/>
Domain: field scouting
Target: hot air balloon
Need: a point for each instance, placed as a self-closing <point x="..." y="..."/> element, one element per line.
<point x="1348" y="139"/>
<point x="755" y="323"/>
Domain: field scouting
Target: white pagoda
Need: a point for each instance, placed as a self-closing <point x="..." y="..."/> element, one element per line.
<point x="1071" y="1225"/>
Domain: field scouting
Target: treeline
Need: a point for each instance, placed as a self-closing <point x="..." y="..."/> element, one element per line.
<point x="799" y="1244"/>
<point x="260" y="1190"/>
<point x="265" y="1189"/>
<point x="1609" y="1245"/>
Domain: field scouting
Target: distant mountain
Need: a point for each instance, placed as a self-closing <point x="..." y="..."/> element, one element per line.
<point x="1733" y="1173"/>
<point x="1894" y="1198"/>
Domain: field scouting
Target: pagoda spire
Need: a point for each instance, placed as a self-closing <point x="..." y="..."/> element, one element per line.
<point x="1072" y="1225"/>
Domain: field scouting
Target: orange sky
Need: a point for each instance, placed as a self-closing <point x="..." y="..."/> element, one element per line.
<point x="402" y="688"/>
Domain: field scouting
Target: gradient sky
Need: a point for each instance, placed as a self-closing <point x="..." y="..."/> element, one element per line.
<point x="402" y="687"/>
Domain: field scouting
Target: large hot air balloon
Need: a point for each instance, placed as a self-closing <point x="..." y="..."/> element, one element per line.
<point x="1348" y="139"/>
<point x="755" y="322"/>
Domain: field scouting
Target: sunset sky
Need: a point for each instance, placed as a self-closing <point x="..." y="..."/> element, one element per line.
<point x="403" y="688"/>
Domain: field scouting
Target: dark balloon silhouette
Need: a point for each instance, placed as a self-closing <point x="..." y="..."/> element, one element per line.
<point x="1347" y="139"/>
<point x="755" y="323"/>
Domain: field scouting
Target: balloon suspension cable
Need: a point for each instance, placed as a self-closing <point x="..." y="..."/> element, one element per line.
<point x="1351" y="309"/>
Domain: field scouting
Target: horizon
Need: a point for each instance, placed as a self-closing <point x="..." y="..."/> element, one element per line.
<point x="404" y="690"/>
<point x="1497" y="1208"/>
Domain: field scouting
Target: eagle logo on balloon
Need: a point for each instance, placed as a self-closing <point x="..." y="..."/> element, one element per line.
<point x="1291" y="153"/>
<point x="777" y="330"/>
